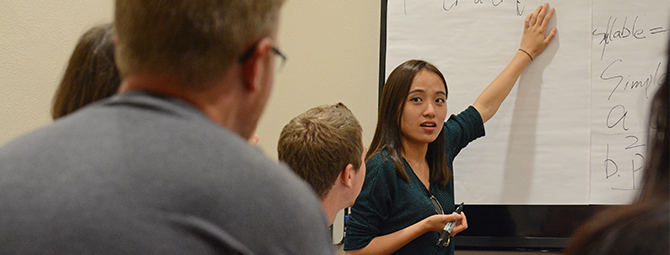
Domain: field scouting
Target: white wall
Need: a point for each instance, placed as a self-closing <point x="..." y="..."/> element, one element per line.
<point x="332" y="49"/>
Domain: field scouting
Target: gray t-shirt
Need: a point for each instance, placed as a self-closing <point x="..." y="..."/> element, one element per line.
<point x="149" y="174"/>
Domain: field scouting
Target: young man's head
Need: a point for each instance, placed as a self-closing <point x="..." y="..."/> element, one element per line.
<point x="324" y="146"/>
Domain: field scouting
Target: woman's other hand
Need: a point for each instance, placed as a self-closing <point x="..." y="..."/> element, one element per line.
<point x="533" y="40"/>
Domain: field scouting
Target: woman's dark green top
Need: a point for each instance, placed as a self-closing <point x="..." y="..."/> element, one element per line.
<point x="388" y="203"/>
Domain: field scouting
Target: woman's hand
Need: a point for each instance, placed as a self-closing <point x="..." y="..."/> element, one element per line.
<point x="533" y="40"/>
<point x="436" y="223"/>
<point x="461" y="225"/>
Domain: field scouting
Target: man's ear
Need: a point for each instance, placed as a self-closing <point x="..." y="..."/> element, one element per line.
<point x="346" y="176"/>
<point x="255" y="67"/>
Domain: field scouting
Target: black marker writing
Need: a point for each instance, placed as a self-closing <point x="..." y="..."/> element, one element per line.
<point x="444" y="5"/>
<point x="634" y="144"/>
<point x="519" y="12"/>
<point x="608" y="160"/>
<point x="644" y="162"/>
<point x="622" y="32"/>
<point x="659" y="79"/>
<point x="657" y="30"/>
<point x="613" y="115"/>
<point x="632" y="83"/>
<point x="632" y="172"/>
<point x="612" y="77"/>
<point x="612" y="168"/>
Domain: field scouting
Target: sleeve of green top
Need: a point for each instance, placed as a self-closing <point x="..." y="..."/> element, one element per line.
<point x="372" y="204"/>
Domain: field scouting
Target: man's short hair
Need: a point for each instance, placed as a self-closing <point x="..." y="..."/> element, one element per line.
<point x="197" y="41"/>
<point x="319" y="144"/>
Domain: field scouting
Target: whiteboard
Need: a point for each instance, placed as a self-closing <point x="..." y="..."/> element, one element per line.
<point x="559" y="137"/>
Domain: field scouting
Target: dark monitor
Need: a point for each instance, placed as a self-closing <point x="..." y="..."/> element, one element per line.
<point x="522" y="227"/>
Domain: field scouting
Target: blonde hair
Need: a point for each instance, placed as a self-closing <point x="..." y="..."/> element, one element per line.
<point x="320" y="143"/>
<point x="194" y="40"/>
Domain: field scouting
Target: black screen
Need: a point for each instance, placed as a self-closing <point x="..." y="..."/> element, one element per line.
<point x="541" y="227"/>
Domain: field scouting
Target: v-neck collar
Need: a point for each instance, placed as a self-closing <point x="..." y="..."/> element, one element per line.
<point x="408" y="168"/>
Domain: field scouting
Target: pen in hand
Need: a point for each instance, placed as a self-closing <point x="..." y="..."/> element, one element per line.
<point x="445" y="239"/>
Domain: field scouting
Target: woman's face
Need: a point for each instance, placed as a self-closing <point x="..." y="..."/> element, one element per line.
<point x="425" y="109"/>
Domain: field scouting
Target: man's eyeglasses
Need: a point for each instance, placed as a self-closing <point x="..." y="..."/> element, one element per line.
<point x="279" y="61"/>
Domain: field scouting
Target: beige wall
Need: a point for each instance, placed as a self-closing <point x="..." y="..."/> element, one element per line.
<point x="36" y="40"/>
<point x="333" y="56"/>
<point x="332" y="49"/>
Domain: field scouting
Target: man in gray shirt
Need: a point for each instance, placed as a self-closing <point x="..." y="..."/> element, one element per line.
<point x="164" y="167"/>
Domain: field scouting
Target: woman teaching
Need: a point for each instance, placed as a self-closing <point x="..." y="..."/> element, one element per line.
<point x="408" y="186"/>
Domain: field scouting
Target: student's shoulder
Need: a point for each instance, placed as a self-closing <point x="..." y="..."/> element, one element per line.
<point x="380" y="160"/>
<point x="381" y="164"/>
